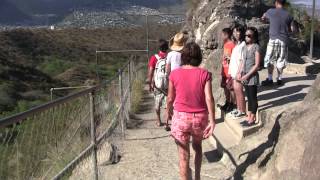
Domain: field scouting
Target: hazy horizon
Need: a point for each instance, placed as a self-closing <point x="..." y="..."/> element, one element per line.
<point x="306" y="2"/>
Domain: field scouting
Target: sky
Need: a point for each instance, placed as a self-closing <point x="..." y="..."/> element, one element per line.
<point x="307" y="2"/>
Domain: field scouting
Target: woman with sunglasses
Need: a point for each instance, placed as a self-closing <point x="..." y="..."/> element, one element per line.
<point x="250" y="76"/>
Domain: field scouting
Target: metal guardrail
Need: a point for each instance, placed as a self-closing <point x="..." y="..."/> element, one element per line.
<point x="49" y="141"/>
<point x="77" y="123"/>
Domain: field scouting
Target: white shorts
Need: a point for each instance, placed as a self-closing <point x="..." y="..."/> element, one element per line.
<point x="277" y="54"/>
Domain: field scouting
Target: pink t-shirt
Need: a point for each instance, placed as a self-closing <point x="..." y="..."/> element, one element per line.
<point x="189" y="87"/>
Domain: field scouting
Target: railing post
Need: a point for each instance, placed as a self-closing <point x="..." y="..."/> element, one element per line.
<point x="129" y="86"/>
<point x="312" y="28"/>
<point x="147" y="33"/>
<point x="93" y="137"/>
<point x="121" y="114"/>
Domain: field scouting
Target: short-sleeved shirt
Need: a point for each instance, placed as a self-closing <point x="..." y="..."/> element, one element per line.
<point x="249" y="62"/>
<point x="153" y="60"/>
<point x="236" y="57"/>
<point x="189" y="85"/>
<point x="227" y="50"/>
<point x="174" y="59"/>
<point x="280" y="21"/>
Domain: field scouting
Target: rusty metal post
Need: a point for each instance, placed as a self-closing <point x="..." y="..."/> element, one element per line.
<point x="93" y="137"/>
<point x="129" y="86"/>
<point x="312" y="28"/>
<point x="121" y="113"/>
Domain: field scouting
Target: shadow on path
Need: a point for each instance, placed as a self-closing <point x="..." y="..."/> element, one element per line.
<point x="282" y="92"/>
<point x="283" y="101"/>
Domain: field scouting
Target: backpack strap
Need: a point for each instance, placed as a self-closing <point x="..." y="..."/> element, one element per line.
<point x="157" y="57"/>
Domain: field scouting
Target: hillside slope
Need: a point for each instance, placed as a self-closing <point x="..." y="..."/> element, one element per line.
<point x="33" y="61"/>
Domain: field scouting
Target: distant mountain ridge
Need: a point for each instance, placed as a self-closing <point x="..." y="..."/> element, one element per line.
<point x="15" y="11"/>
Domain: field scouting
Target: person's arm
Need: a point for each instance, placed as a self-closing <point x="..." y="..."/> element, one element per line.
<point x="150" y="78"/>
<point x="170" y="99"/>
<point x="168" y="68"/>
<point x="265" y="16"/>
<point x="254" y="68"/>
<point x="240" y="69"/>
<point x="211" y="108"/>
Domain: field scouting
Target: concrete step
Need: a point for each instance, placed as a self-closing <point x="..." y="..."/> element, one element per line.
<point x="223" y="137"/>
<point x="235" y="125"/>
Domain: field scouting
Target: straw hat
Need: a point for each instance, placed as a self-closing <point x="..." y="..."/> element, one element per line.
<point x="177" y="42"/>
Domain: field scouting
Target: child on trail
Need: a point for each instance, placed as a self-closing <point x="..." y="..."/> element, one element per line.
<point x="250" y="75"/>
<point x="226" y="79"/>
<point x="191" y="103"/>
<point x="235" y="67"/>
<point x="157" y="78"/>
<point x="277" y="50"/>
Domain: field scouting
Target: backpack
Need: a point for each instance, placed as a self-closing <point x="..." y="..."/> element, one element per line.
<point x="160" y="75"/>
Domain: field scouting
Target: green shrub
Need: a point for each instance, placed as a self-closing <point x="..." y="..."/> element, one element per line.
<point x="54" y="66"/>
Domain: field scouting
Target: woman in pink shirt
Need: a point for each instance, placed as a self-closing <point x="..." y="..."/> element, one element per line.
<point x="190" y="103"/>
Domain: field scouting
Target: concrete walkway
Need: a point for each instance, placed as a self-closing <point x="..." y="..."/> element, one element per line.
<point x="149" y="153"/>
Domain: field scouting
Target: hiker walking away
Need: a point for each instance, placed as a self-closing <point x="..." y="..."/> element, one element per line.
<point x="277" y="50"/>
<point x="226" y="79"/>
<point x="237" y="58"/>
<point x="176" y="44"/>
<point x="191" y="104"/>
<point x="157" y="78"/>
<point x="249" y="73"/>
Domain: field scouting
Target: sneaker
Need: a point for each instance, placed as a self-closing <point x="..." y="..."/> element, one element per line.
<point x="240" y="114"/>
<point x="279" y="82"/>
<point x="231" y="107"/>
<point x="234" y="111"/>
<point x="267" y="82"/>
<point x="225" y="106"/>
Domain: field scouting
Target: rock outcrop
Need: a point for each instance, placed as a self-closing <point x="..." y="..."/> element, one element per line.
<point x="206" y="21"/>
<point x="288" y="145"/>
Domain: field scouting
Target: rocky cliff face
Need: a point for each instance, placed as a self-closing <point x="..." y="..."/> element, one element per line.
<point x="296" y="155"/>
<point x="206" y="21"/>
<point x="295" y="134"/>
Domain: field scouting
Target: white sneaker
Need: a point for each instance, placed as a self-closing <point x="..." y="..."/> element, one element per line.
<point x="239" y="114"/>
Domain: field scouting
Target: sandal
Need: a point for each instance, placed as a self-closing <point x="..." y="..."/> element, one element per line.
<point x="159" y="124"/>
<point x="246" y="123"/>
<point x="167" y="128"/>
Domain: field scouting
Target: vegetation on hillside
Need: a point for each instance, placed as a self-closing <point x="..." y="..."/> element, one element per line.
<point x="33" y="61"/>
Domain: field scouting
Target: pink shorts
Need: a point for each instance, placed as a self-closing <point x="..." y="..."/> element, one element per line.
<point x="184" y="125"/>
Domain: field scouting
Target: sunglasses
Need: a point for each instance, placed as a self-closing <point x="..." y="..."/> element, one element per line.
<point x="249" y="35"/>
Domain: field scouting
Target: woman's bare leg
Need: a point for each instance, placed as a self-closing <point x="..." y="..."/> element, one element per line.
<point x="184" y="158"/>
<point x="197" y="147"/>
<point x="238" y="89"/>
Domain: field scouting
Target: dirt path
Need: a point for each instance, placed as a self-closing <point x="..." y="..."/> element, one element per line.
<point x="148" y="152"/>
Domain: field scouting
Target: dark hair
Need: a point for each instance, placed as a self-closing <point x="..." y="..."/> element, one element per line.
<point x="191" y="54"/>
<point x="240" y="28"/>
<point x="255" y="34"/>
<point x="163" y="45"/>
<point x="228" y="32"/>
<point x="282" y="2"/>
